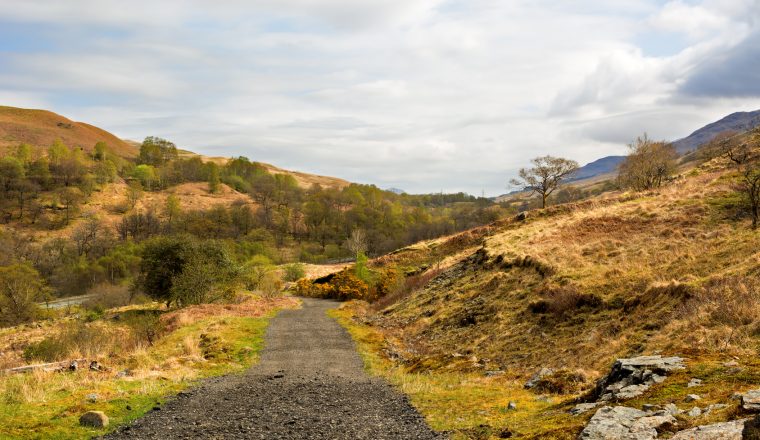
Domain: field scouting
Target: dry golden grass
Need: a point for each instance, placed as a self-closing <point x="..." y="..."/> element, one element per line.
<point x="637" y="265"/>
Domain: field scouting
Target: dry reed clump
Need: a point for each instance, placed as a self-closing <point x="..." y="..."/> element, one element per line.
<point x="79" y="339"/>
<point x="25" y="388"/>
<point x="248" y="308"/>
<point x="659" y="293"/>
<point x="733" y="301"/>
<point x="560" y="301"/>
<point x="563" y="382"/>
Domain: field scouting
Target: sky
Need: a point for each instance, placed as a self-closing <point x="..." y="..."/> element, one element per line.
<point x="422" y="95"/>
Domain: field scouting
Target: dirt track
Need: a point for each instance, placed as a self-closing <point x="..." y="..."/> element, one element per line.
<point x="309" y="384"/>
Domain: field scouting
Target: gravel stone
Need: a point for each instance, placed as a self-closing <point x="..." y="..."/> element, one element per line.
<point x="309" y="384"/>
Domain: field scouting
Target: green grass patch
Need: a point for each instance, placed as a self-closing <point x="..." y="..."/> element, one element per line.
<point x="48" y="405"/>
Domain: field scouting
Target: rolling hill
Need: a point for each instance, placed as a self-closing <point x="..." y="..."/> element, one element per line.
<point x="40" y="128"/>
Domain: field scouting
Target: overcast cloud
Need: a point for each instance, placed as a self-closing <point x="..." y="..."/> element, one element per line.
<point x="424" y="95"/>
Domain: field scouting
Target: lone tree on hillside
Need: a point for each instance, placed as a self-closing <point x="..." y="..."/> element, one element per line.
<point x="545" y="176"/>
<point x="647" y="165"/>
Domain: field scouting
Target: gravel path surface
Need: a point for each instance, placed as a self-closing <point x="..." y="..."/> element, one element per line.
<point x="309" y="384"/>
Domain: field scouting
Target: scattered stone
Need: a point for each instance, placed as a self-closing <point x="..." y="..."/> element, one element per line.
<point x="73" y="366"/>
<point x="717" y="431"/>
<point x="731" y="364"/>
<point x="695" y="412"/>
<point x="692" y="398"/>
<point x="512" y="406"/>
<point x="95" y="366"/>
<point x="622" y="422"/>
<point x="583" y="407"/>
<point x="750" y="400"/>
<point x="543" y="398"/>
<point x="493" y="373"/>
<point x="95" y="419"/>
<point x="123" y="373"/>
<point x="694" y="383"/>
<point x="537" y="376"/>
<point x="92" y="397"/>
<point x="672" y="409"/>
<point x="715" y="407"/>
<point x="631" y="391"/>
<point x="751" y="429"/>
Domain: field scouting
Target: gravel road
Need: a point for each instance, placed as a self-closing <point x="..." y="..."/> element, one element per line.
<point x="309" y="384"/>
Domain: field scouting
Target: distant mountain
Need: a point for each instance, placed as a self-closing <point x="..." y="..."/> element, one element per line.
<point x="396" y="190"/>
<point x="739" y="121"/>
<point x="40" y="128"/>
<point x="598" y="167"/>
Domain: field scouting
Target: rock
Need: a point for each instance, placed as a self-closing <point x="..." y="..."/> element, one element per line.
<point x="73" y="366"/>
<point x="123" y="373"/>
<point x="95" y="419"/>
<point x="717" y="431"/>
<point x="521" y="217"/>
<point x="694" y="383"/>
<point x="715" y="407"/>
<point x="695" y="412"/>
<point x="631" y="391"/>
<point x="537" y="376"/>
<point x="624" y="423"/>
<point x="750" y="400"/>
<point x="751" y="429"/>
<point x="631" y="377"/>
<point x="692" y="398"/>
<point x="583" y="407"/>
<point x="92" y="397"/>
<point x="543" y="398"/>
<point x="493" y="373"/>
<point x="512" y="406"/>
<point x="731" y="364"/>
<point x="95" y="366"/>
<point x="672" y="409"/>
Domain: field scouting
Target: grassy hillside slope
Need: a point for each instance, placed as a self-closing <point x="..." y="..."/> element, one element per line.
<point x="674" y="271"/>
<point x="40" y="128"/>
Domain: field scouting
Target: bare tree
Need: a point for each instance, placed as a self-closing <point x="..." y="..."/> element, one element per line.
<point x="750" y="186"/>
<point x="357" y="243"/>
<point x="648" y="164"/>
<point x="545" y="176"/>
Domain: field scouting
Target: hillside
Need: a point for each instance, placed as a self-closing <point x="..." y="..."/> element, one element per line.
<point x="736" y="122"/>
<point x="673" y="272"/>
<point x="40" y="128"/>
<point x="304" y="180"/>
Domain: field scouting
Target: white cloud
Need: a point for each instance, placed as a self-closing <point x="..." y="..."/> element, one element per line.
<point x="418" y="94"/>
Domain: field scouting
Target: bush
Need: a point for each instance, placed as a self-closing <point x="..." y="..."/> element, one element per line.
<point x="342" y="286"/>
<point x="184" y="271"/>
<point x="108" y="296"/>
<point x="270" y="286"/>
<point x="294" y="272"/>
<point x="21" y="287"/>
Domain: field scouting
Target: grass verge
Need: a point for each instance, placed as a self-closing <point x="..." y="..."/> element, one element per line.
<point x="465" y="405"/>
<point x="47" y="405"/>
